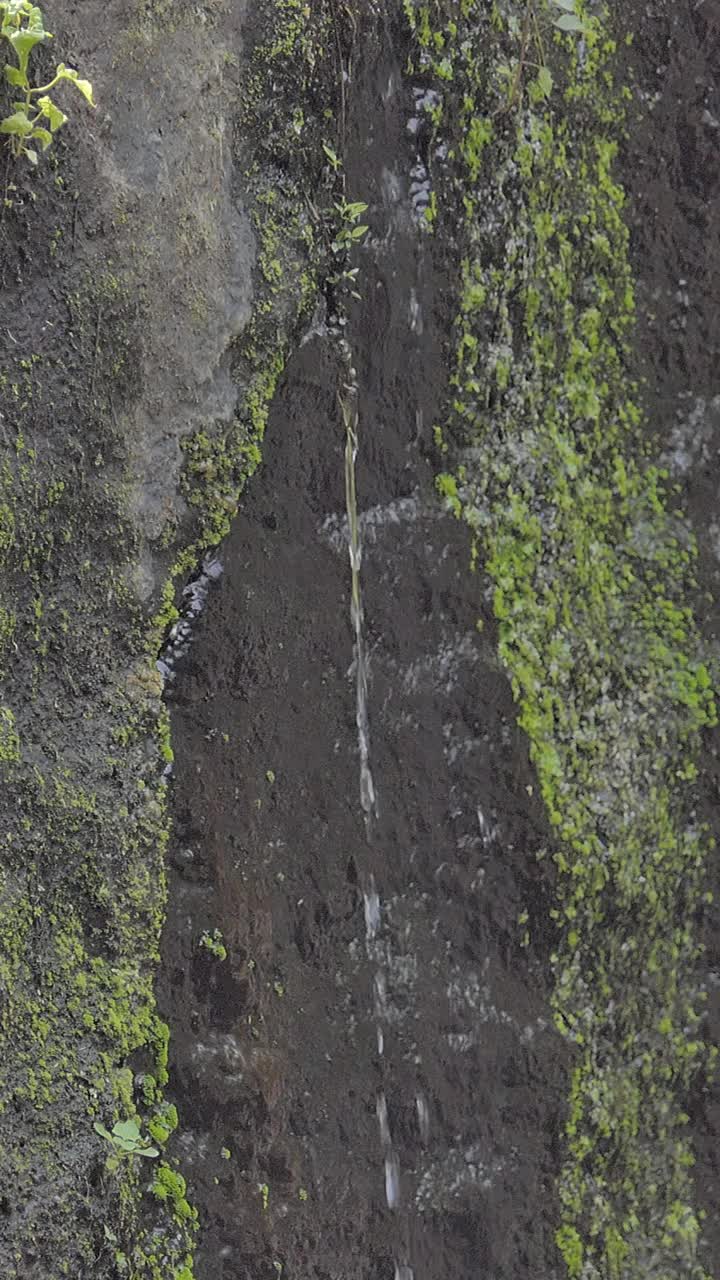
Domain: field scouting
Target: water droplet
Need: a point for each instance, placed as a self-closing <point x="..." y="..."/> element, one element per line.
<point x="392" y="1180"/>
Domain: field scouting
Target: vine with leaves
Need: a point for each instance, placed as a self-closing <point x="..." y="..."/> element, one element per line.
<point x="34" y="117"/>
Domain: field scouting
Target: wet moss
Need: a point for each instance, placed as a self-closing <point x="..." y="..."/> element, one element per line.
<point x="84" y="736"/>
<point x="592" y="566"/>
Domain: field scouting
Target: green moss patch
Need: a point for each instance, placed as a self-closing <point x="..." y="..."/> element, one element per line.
<point x="592" y="565"/>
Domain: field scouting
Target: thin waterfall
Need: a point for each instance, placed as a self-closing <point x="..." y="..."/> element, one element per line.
<point x="348" y="404"/>
<point x="348" y="399"/>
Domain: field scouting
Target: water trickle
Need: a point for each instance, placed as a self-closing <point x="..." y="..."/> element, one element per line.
<point x="392" y="1179"/>
<point x="423" y="1115"/>
<point x="348" y="398"/>
<point x="403" y="1271"/>
<point x="348" y="404"/>
<point x="372" y="910"/>
<point x="382" y="1115"/>
<point x="389" y="970"/>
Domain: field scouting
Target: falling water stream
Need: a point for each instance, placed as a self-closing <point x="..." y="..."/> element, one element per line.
<point x="359" y="1087"/>
<point x="348" y="404"/>
<point x="348" y="398"/>
<point x="376" y="952"/>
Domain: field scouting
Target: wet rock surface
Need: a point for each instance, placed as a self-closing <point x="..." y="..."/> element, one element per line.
<point x="362" y="1050"/>
<point x="128" y="260"/>
<point x="381" y="1069"/>
<point x="374" y="1052"/>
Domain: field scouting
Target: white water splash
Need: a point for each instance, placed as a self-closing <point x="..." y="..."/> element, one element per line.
<point x="392" y="1180"/>
<point x="335" y="529"/>
<point x="368" y="800"/>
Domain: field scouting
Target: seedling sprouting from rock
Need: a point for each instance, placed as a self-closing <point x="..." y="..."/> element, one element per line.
<point x="568" y="19"/>
<point x="213" y="942"/>
<point x="344" y="228"/>
<point x="531" y="33"/>
<point x="126" y="1138"/>
<point x="34" y="117"/>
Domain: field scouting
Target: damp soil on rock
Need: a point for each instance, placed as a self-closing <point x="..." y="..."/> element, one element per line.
<point x="276" y="1067"/>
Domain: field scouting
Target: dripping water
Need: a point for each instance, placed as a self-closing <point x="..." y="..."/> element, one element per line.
<point x="348" y="398"/>
<point x="348" y="404"/>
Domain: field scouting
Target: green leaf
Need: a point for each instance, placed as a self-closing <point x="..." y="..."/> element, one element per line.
<point x="567" y="5"/>
<point x="147" y="1151"/>
<point x="126" y="1131"/>
<point x="357" y="233"/>
<point x="53" y="113"/>
<point x="545" y="82"/>
<point x="23" y="42"/>
<point x="15" y="76"/>
<point x="104" y="1133"/>
<point x="66" y="73"/>
<point x="331" y="156"/>
<point x="43" y="136"/>
<point x="569" y="22"/>
<point x="354" y="210"/>
<point x="17" y="124"/>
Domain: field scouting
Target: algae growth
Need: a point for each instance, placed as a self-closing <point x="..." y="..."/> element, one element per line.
<point x="88" y="571"/>
<point x="592" y="566"/>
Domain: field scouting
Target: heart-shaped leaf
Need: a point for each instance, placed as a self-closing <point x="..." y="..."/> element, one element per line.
<point x="569" y="22"/>
<point x="23" y="42"/>
<point x="18" y="123"/>
<point x="67" y="73"/>
<point x="126" y="1131"/>
<point x="55" y="116"/>
<point x="15" y="76"/>
<point x="43" y="136"/>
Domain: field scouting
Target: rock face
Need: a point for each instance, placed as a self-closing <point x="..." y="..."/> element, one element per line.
<point x="434" y="1150"/>
<point x="398" y="1044"/>
<point x="153" y="274"/>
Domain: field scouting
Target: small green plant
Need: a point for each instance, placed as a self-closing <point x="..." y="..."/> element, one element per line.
<point x="213" y="942"/>
<point x="170" y="1186"/>
<point x="127" y="1139"/>
<point x="344" y="227"/>
<point x="530" y="34"/>
<point x="163" y="1123"/>
<point x="568" y="19"/>
<point x="34" y="117"/>
<point x="348" y="231"/>
<point x="332" y="158"/>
